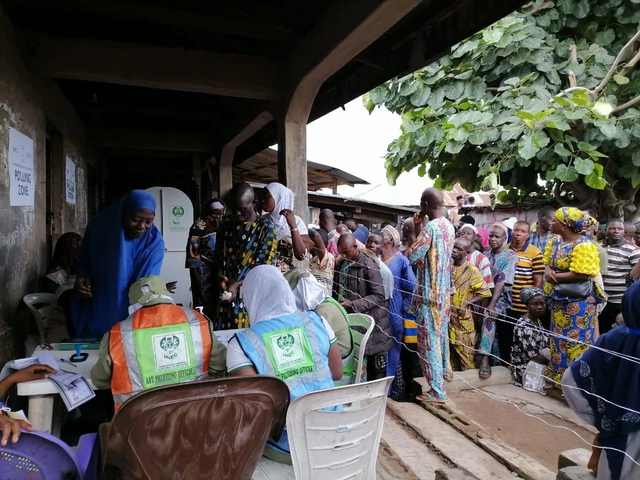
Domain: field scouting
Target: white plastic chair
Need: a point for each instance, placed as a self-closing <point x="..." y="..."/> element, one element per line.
<point x="366" y="323"/>
<point x="48" y="310"/>
<point x="337" y="445"/>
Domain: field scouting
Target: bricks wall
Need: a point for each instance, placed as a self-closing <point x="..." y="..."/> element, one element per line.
<point x="32" y="103"/>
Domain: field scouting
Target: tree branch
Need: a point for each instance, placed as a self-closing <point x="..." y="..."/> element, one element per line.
<point x="624" y="106"/>
<point x="616" y="62"/>
<point x="631" y="65"/>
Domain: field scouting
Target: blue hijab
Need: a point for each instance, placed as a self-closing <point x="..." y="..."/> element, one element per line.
<point x="114" y="262"/>
<point x="362" y="234"/>
<point x="615" y="379"/>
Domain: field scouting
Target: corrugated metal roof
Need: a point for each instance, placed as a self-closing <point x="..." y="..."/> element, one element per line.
<point x="263" y="168"/>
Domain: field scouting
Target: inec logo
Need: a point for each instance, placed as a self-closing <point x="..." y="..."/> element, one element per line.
<point x="287" y="344"/>
<point x="177" y="211"/>
<point x="169" y="346"/>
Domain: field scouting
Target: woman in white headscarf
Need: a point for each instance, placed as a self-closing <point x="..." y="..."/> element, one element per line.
<point x="291" y="231"/>
<point x="283" y="342"/>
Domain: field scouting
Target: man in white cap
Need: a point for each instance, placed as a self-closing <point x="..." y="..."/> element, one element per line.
<point x="159" y="343"/>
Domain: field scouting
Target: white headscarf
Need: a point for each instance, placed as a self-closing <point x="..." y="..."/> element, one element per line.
<point x="284" y="201"/>
<point x="309" y="292"/>
<point x="267" y="294"/>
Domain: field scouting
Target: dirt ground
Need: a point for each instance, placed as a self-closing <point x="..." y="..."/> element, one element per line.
<point x="503" y="421"/>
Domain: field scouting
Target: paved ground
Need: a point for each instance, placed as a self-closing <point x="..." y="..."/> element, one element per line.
<point x="475" y="431"/>
<point x="478" y="431"/>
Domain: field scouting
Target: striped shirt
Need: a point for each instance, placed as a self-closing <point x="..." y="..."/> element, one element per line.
<point x="478" y="260"/>
<point x="540" y="242"/>
<point x="530" y="263"/>
<point x="622" y="258"/>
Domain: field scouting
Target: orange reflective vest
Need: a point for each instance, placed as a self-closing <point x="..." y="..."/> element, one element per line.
<point x="159" y="345"/>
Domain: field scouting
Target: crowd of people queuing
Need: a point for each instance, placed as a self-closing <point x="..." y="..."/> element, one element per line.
<point x="445" y="295"/>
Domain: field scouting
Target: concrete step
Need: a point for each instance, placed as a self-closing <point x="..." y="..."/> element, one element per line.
<point x="419" y="461"/>
<point x="440" y="438"/>
<point x="469" y="379"/>
<point x="520" y="463"/>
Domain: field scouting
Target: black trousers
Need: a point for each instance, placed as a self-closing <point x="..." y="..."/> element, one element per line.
<point x="411" y="369"/>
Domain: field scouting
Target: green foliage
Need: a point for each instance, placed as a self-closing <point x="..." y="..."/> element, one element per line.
<point x="495" y="111"/>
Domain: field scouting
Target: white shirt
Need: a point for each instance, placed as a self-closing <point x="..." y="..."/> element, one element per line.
<point x="236" y="358"/>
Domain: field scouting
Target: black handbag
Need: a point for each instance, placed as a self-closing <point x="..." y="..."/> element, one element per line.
<point x="581" y="289"/>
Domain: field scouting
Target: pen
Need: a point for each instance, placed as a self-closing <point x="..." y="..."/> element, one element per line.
<point x="68" y="362"/>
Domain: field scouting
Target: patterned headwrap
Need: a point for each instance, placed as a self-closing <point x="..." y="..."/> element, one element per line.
<point x="394" y="234"/>
<point x="526" y="294"/>
<point x="574" y="219"/>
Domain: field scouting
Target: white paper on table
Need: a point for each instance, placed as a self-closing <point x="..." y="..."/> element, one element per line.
<point x="75" y="393"/>
<point x="18" y="364"/>
<point x="45" y="357"/>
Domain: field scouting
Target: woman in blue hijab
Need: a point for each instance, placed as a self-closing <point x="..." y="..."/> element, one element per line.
<point x="120" y="246"/>
<point x="616" y="380"/>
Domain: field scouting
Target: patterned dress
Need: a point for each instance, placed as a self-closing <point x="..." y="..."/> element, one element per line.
<point x="468" y="283"/>
<point x="399" y="307"/>
<point x="503" y="269"/>
<point x="529" y="338"/>
<point x="571" y="317"/>
<point x="241" y="246"/>
<point x="431" y="253"/>
<point x="200" y="247"/>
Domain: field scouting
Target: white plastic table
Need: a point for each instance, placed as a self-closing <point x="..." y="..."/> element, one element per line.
<point x="43" y="393"/>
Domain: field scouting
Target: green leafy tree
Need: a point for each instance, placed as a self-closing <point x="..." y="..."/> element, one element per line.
<point x="543" y="102"/>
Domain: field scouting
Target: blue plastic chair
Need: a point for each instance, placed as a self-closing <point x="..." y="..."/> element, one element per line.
<point x="40" y="456"/>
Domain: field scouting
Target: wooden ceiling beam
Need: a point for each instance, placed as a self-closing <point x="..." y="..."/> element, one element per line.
<point x="169" y="17"/>
<point x="167" y="112"/>
<point x="158" y="67"/>
<point x="141" y="139"/>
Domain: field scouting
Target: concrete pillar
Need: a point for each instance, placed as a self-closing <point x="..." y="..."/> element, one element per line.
<point x="340" y="35"/>
<point x="225" y="170"/>
<point x="225" y="167"/>
<point x="292" y="162"/>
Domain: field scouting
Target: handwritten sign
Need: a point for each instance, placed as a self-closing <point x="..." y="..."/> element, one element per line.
<point x="22" y="190"/>
<point x="71" y="181"/>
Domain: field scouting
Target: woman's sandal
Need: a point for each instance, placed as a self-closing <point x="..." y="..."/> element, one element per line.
<point x="428" y="398"/>
<point x="485" y="371"/>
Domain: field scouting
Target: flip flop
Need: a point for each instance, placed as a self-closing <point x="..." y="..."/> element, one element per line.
<point x="485" y="371"/>
<point x="429" y="399"/>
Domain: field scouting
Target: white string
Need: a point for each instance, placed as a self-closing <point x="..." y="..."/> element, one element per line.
<point x="508" y="363"/>
<point x="402" y="345"/>
<point x="504" y="318"/>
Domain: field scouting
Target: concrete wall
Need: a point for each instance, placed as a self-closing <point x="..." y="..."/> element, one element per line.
<point x="32" y="103"/>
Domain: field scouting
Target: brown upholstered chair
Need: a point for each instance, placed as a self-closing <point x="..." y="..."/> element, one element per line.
<point x="213" y="429"/>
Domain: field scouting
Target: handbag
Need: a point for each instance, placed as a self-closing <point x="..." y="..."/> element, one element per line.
<point x="581" y="289"/>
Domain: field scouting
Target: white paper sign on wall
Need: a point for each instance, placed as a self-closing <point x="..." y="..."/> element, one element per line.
<point x="22" y="189"/>
<point x="71" y="181"/>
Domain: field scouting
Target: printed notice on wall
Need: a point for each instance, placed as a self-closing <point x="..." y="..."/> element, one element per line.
<point x="71" y="181"/>
<point x="178" y="219"/>
<point x="22" y="190"/>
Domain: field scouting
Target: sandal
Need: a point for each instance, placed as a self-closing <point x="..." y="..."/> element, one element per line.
<point x="428" y="398"/>
<point x="485" y="371"/>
